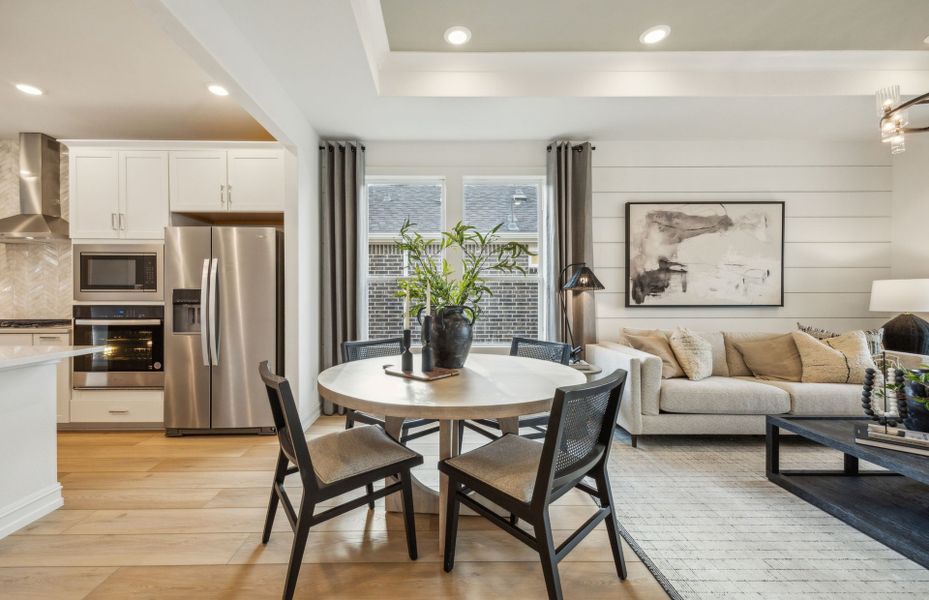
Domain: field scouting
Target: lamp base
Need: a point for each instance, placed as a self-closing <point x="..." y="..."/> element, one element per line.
<point x="907" y="333"/>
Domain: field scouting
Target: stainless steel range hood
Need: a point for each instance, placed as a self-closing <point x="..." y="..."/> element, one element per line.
<point x="39" y="218"/>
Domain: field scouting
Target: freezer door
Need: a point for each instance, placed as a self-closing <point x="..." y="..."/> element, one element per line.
<point x="187" y="370"/>
<point x="245" y="312"/>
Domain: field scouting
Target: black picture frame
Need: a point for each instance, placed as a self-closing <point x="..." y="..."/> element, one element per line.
<point x="628" y="291"/>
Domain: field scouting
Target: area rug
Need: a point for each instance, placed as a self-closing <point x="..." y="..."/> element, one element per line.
<point x="704" y="518"/>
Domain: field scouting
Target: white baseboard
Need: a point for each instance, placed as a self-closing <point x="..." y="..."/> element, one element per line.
<point x="14" y="517"/>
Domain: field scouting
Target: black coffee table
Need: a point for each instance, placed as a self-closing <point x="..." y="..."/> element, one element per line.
<point x="891" y="506"/>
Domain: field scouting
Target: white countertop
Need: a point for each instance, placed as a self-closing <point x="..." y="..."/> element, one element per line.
<point x="12" y="357"/>
<point x="31" y="330"/>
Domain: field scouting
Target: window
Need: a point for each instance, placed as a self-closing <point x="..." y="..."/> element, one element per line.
<point x="514" y="309"/>
<point x="390" y="202"/>
<point x="517" y="306"/>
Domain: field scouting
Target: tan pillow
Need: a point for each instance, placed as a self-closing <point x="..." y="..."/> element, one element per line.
<point x="737" y="366"/>
<point x="840" y="359"/>
<point x="656" y="343"/>
<point x="776" y="358"/>
<point x="694" y="353"/>
<point x="715" y="338"/>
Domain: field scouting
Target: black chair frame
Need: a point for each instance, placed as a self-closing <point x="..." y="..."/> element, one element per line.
<point x="549" y="486"/>
<point x="294" y="451"/>
<point x="350" y="351"/>
<point x="490" y="428"/>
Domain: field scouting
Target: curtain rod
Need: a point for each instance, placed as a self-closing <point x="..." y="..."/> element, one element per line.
<point x="573" y="147"/>
<point x="322" y="147"/>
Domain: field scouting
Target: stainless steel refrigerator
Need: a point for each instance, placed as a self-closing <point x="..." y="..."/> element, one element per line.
<point x="224" y="290"/>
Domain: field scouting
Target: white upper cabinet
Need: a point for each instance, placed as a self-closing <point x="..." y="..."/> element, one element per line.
<point x="94" y="193"/>
<point x="256" y="181"/>
<point x="143" y="177"/>
<point x="118" y="194"/>
<point x="239" y="180"/>
<point x="198" y="181"/>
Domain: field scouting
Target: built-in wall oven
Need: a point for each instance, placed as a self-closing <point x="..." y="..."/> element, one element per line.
<point x="118" y="272"/>
<point x="134" y="340"/>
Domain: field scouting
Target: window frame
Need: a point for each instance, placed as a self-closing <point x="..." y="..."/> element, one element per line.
<point x="455" y="179"/>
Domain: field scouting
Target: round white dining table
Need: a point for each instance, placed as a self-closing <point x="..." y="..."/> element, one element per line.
<point x="488" y="386"/>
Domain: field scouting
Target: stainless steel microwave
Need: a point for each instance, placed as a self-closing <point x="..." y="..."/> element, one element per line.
<point x="119" y="272"/>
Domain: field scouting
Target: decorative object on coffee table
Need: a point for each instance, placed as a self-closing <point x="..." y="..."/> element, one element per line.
<point x="906" y="332"/>
<point x="916" y="389"/>
<point x="457" y="301"/>
<point x="887" y="410"/>
<point x="582" y="280"/>
<point x="704" y="254"/>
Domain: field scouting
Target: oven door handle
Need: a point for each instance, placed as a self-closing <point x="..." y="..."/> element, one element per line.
<point x="214" y="310"/>
<point x="205" y="312"/>
<point x="93" y="322"/>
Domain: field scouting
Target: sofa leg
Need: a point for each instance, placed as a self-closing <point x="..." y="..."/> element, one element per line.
<point x="634" y="441"/>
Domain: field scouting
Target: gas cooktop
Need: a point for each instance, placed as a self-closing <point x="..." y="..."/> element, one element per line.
<point x="33" y="323"/>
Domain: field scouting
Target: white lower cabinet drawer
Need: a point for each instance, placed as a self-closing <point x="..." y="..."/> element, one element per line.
<point x="117" y="406"/>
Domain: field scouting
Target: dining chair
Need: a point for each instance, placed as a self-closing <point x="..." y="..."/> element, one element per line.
<point x="330" y="466"/>
<point x="530" y="348"/>
<point x="525" y="476"/>
<point x="359" y="350"/>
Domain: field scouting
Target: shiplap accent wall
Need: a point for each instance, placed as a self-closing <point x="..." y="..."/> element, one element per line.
<point x="837" y="235"/>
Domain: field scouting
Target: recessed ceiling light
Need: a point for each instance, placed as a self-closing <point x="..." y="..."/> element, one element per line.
<point x="218" y="90"/>
<point x="457" y="35"/>
<point x="29" y="89"/>
<point x="655" y="34"/>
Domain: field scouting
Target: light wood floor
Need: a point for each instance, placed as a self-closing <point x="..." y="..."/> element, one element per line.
<point x="151" y="517"/>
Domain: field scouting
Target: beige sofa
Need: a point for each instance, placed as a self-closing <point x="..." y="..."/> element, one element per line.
<point x="731" y="402"/>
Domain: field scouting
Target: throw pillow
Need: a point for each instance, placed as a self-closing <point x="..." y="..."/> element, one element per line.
<point x="656" y="343"/>
<point x="715" y="338"/>
<point x="874" y="337"/>
<point x="737" y="366"/>
<point x="839" y="359"/>
<point x="775" y="358"/>
<point x="694" y="353"/>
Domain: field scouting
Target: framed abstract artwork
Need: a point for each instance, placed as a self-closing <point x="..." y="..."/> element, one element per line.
<point x="704" y="254"/>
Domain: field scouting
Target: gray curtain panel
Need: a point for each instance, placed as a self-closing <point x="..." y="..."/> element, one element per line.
<point x="341" y="177"/>
<point x="571" y="201"/>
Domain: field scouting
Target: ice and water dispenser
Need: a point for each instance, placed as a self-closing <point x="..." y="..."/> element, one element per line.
<point x="186" y="303"/>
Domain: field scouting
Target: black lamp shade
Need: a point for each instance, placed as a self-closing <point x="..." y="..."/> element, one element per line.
<point x="583" y="280"/>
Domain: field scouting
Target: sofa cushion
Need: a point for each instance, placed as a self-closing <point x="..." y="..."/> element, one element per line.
<point x="715" y="338"/>
<point x="658" y="344"/>
<point x="694" y="353"/>
<point x="776" y="358"/>
<point x="841" y="359"/>
<point x="821" y="398"/>
<point x="737" y="366"/>
<point x="723" y="396"/>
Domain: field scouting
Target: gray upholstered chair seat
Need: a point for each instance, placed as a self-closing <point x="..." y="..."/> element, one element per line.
<point x="509" y="464"/>
<point x="344" y="454"/>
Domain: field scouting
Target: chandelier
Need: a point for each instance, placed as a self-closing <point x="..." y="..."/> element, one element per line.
<point x="894" y="118"/>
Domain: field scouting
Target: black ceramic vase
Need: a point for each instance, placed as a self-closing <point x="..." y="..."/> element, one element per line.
<point x="452" y="334"/>
<point x="917" y="415"/>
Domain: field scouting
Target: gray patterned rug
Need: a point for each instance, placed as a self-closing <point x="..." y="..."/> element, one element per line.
<point x="708" y="523"/>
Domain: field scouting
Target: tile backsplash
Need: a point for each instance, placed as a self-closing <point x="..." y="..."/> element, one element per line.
<point x="35" y="279"/>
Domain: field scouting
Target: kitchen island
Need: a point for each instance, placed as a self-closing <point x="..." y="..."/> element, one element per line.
<point x="29" y="487"/>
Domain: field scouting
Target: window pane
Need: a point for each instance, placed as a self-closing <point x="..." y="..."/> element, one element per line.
<point x="515" y="205"/>
<point x="390" y="204"/>
<point x="513" y="309"/>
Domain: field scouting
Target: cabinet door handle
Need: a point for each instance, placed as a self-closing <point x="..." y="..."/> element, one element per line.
<point x="124" y="411"/>
<point x="122" y="221"/>
<point x="222" y="194"/>
<point x="229" y="195"/>
<point x="113" y="223"/>
<point x="57" y="338"/>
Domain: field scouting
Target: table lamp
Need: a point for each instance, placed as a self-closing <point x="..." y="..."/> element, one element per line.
<point x="582" y="280"/>
<point x="906" y="332"/>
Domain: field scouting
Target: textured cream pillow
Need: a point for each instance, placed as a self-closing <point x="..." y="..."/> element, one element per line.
<point x="840" y="359"/>
<point x="656" y="343"/>
<point x="694" y="353"/>
<point x="776" y="358"/>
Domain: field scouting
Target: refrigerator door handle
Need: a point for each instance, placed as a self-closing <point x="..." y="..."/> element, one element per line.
<point x="204" y="313"/>
<point x="214" y="333"/>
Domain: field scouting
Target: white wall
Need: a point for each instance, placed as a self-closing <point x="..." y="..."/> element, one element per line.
<point x="910" y="222"/>
<point x="837" y="234"/>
